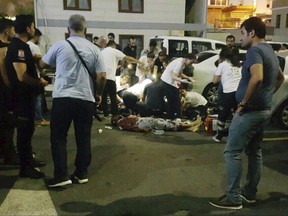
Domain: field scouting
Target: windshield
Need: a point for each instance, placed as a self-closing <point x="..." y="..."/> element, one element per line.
<point x="204" y="55"/>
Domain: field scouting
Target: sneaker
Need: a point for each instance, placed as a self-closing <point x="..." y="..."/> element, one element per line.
<point x="216" y="139"/>
<point x="79" y="180"/>
<point x="30" y="172"/>
<point x="37" y="163"/>
<point x="248" y="198"/>
<point x="58" y="182"/>
<point x="224" y="203"/>
<point x="42" y="123"/>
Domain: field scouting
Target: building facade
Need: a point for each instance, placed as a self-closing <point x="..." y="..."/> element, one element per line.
<point x="280" y="20"/>
<point x="231" y="13"/>
<point x="141" y="18"/>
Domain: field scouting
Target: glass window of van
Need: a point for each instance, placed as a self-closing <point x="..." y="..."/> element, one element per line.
<point x="178" y="48"/>
<point x="200" y="46"/>
<point x="219" y="46"/>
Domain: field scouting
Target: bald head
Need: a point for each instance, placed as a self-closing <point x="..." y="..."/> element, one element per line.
<point x="102" y="41"/>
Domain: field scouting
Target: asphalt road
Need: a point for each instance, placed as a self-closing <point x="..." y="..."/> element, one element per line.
<point x="137" y="174"/>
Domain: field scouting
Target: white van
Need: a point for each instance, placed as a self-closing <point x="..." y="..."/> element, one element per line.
<point x="180" y="46"/>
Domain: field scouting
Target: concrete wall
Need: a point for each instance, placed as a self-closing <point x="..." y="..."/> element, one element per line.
<point x="280" y="34"/>
<point x="280" y="3"/>
<point x="161" y="17"/>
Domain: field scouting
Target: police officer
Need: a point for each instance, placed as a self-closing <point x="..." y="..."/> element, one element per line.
<point x="24" y="85"/>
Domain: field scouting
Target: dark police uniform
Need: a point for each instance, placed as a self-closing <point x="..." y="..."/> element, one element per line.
<point x="6" y="148"/>
<point x="22" y="98"/>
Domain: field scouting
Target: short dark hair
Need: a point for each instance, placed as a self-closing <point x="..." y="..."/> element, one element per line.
<point x="161" y="53"/>
<point x="5" y="23"/>
<point x="111" y="34"/>
<point x="153" y="43"/>
<point x="231" y="55"/>
<point x="111" y="43"/>
<point x="22" y="22"/>
<point x="256" y="24"/>
<point x="37" y="32"/>
<point x="191" y="56"/>
<point x="95" y="38"/>
<point x="230" y="36"/>
<point x="132" y="38"/>
<point x="150" y="55"/>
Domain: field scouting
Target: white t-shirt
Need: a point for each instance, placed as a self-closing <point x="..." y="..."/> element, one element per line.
<point x="195" y="99"/>
<point x="175" y="67"/>
<point x="138" y="88"/>
<point x="35" y="50"/>
<point x="138" y="72"/>
<point x="230" y="76"/>
<point x="111" y="58"/>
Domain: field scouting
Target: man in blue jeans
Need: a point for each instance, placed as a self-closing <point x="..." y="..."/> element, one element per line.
<point x="261" y="77"/>
<point x="73" y="100"/>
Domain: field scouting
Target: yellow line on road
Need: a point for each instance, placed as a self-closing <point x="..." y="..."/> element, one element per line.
<point x="275" y="139"/>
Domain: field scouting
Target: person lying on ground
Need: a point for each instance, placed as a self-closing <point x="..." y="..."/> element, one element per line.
<point x="147" y="124"/>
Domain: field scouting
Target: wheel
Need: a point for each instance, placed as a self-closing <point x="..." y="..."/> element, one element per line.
<point x="282" y="114"/>
<point x="211" y="94"/>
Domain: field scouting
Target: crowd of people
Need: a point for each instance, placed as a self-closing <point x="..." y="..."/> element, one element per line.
<point x="157" y="98"/>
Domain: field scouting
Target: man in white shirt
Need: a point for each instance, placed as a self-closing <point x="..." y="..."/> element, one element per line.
<point x="111" y="58"/>
<point x="36" y="52"/>
<point x="145" y="70"/>
<point x="171" y="80"/>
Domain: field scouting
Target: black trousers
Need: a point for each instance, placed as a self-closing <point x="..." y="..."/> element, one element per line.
<point x="63" y="112"/>
<point x="130" y="100"/>
<point x="226" y="102"/>
<point x="7" y="126"/>
<point x="173" y="100"/>
<point x="110" y="89"/>
<point x="24" y="116"/>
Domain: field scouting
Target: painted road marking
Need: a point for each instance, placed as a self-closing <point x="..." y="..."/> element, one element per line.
<point x="275" y="139"/>
<point x="27" y="202"/>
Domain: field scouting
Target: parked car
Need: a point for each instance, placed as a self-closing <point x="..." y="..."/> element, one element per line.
<point x="203" y="75"/>
<point x="180" y="46"/>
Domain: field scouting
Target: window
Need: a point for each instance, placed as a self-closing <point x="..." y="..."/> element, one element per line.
<point x="77" y="5"/>
<point x="124" y="39"/>
<point x="278" y="20"/>
<point x="199" y="46"/>
<point x="178" y="48"/>
<point x="131" y="6"/>
<point x="218" y="2"/>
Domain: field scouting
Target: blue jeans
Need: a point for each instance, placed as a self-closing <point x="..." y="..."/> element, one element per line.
<point x="245" y="132"/>
<point x="38" y="109"/>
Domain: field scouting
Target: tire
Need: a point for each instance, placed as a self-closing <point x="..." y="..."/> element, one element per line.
<point x="282" y="114"/>
<point x="211" y="94"/>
